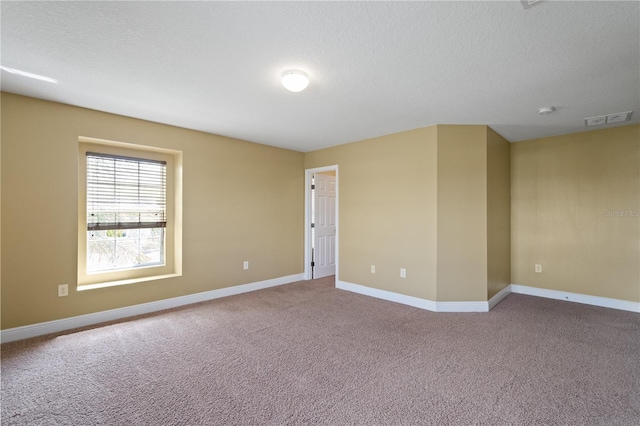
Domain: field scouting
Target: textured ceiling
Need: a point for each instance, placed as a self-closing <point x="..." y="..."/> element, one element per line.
<point x="375" y="67"/>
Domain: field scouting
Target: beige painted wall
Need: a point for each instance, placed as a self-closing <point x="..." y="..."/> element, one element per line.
<point x="387" y="217"/>
<point x="241" y="201"/>
<point x="425" y="200"/>
<point x="433" y="200"/>
<point x="498" y="213"/>
<point x="462" y="213"/>
<point x="574" y="209"/>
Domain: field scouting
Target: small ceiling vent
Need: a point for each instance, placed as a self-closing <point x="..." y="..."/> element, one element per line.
<point x="529" y="3"/>
<point x="618" y="117"/>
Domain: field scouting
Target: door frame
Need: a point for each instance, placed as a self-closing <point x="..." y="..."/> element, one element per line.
<point x="307" y="217"/>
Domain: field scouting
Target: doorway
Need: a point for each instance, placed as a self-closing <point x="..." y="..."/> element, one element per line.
<point x="321" y="222"/>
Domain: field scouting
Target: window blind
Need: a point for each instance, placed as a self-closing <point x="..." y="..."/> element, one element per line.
<point x="125" y="192"/>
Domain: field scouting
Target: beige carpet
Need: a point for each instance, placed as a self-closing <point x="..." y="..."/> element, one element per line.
<point x="306" y="353"/>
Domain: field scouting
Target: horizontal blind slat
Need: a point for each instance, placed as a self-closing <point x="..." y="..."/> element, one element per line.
<point x="121" y="185"/>
<point x="124" y="225"/>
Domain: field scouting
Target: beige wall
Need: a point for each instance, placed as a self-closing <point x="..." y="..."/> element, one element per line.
<point x="387" y="216"/>
<point x="462" y="213"/>
<point x="425" y="200"/>
<point x="433" y="200"/>
<point x="567" y="192"/>
<point x="231" y="190"/>
<point x="498" y="213"/>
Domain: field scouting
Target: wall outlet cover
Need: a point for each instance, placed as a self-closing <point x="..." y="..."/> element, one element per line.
<point x="63" y="290"/>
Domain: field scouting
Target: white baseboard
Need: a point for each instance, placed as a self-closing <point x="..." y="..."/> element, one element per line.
<point x="416" y="302"/>
<point x="462" y="306"/>
<point x="499" y="296"/>
<point x="604" y="302"/>
<point x="481" y="306"/>
<point x="33" y="330"/>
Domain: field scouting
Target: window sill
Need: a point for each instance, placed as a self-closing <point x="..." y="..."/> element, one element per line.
<point x="83" y="287"/>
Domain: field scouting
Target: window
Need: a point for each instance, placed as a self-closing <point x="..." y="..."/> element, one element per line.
<point x="129" y="213"/>
<point x="126" y="212"/>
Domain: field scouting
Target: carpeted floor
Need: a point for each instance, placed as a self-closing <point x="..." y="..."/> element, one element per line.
<point x="307" y="353"/>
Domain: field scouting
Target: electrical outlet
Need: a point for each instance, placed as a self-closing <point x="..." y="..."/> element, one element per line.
<point x="373" y="269"/>
<point x="63" y="290"/>
<point x="245" y="265"/>
<point x="538" y="267"/>
<point x="403" y="273"/>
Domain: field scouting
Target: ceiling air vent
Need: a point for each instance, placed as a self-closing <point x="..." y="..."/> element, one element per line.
<point x="529" y="3"/>
<point x="618" y="117"/>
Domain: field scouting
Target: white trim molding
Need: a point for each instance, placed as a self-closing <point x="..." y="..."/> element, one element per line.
<point x="604" y="302"/>
<point x="482" y="306"/>
<point x="416" y="302"/>
<point x="307" y="218"/>
<point x="499" y="296"/>
<point x="33" y="330"/>
<point x="462" y="306"/>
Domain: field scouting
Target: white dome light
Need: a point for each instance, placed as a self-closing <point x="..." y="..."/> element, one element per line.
<point x="295" y="80"/>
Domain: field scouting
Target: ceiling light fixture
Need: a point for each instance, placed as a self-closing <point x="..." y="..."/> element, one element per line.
<point x="295" y="80"/>
<point x="28" y="74"/>
<point x="546" y="110"/>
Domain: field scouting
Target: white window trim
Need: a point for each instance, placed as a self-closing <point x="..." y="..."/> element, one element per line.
<point x="173" y="255"/>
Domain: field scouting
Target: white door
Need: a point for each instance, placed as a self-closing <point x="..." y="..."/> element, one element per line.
<point x="324" y="241"/>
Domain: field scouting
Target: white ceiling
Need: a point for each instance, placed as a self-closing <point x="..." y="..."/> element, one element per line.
<point x="375" y="67"/>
